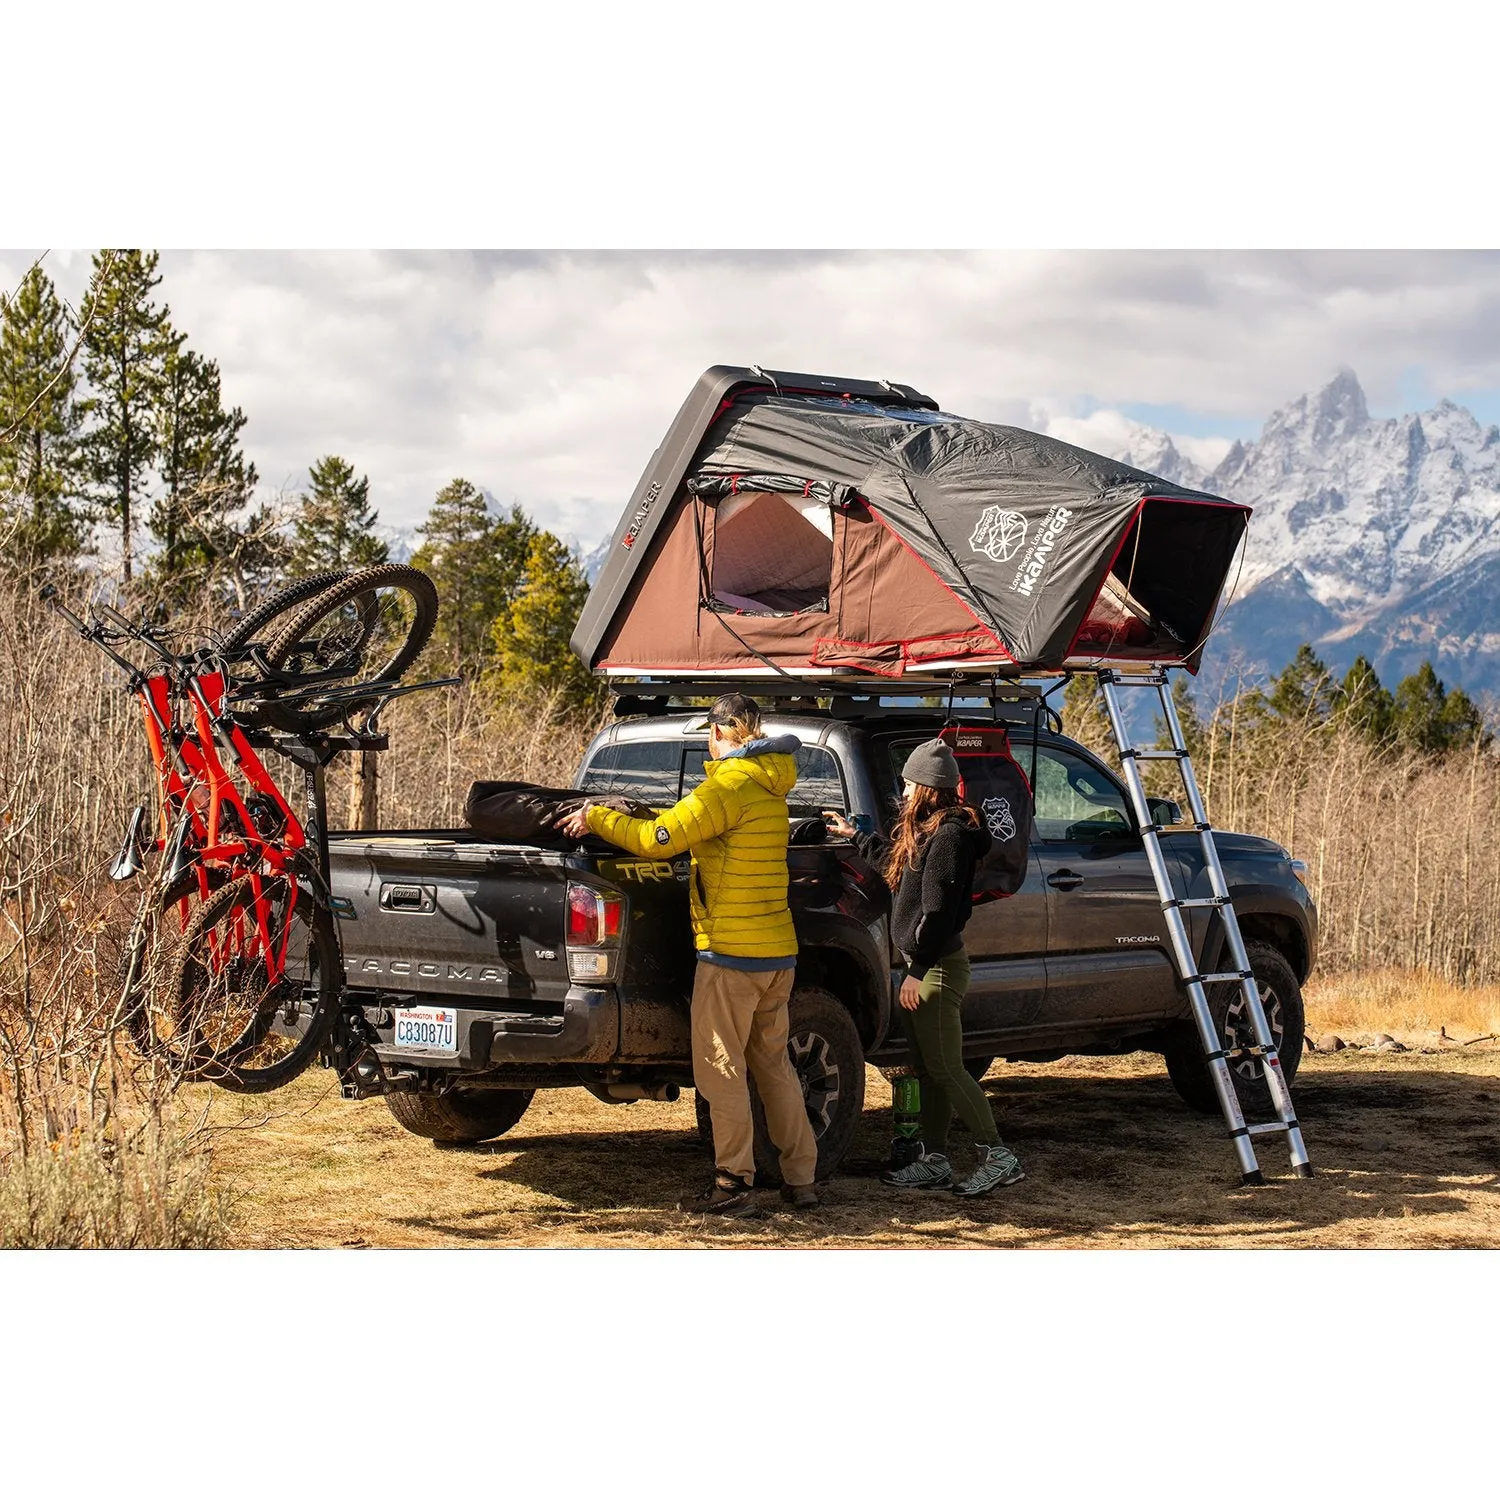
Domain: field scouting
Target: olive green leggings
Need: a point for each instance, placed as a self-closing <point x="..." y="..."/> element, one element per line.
<point x="936" y="1031"/>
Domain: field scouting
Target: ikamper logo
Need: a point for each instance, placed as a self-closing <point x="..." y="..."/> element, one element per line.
<point x="999" y="533"/>
<point x="1034" y="564"/>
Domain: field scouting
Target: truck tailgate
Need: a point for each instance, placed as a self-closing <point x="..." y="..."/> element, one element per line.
<point x="445" y="915"/>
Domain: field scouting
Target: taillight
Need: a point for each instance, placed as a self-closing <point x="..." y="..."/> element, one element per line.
<point x="594" y="922"/>
<point x="594" y="917"/>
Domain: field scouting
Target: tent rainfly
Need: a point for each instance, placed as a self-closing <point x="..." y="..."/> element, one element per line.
<point x="805" y="525"/>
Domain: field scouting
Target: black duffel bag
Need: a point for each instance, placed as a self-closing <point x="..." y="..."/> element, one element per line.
<point x="517" y="812"/>
<point x="995" y="786"/>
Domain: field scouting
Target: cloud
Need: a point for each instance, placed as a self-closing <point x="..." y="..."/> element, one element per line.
<point x="549" y="377"/>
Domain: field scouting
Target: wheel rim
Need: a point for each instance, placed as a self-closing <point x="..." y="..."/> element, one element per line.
<point x="817" y="1071"/>
<point x="1239" y="1030"/>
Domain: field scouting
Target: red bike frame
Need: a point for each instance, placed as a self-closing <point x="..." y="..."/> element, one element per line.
<point x="194" y="784"/>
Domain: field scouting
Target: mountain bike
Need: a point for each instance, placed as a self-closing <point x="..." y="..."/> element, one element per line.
<point x="233" y="970"/>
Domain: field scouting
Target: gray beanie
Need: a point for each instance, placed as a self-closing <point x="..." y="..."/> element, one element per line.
<point x="931" y="764"/>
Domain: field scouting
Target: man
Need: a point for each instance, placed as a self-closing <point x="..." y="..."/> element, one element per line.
<point x="735" y="824"/>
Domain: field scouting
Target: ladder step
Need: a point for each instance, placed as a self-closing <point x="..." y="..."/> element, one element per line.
<point x="1231" y="978"/>
<point x="1198" y="901"/>
<point x="1157" y="829"/>
<point x="1270" y="1128"/>
<point x="1133" y="754"/>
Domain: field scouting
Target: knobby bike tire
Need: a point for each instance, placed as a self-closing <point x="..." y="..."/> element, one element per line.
<point x="255" y="625"/>
<point x="400" y="578"/>
<point x="260" y="1050"/>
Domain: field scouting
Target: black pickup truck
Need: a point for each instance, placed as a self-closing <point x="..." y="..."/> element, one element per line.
<point x="490" y="970"/>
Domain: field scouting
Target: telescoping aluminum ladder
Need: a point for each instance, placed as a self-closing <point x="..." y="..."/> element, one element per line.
<point x="1172" y="905"/>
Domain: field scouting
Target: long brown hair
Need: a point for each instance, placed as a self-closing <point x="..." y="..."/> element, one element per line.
<point x="924" y="808"/>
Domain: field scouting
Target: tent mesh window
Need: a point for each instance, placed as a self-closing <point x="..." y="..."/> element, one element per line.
<point x="773" y="554"/>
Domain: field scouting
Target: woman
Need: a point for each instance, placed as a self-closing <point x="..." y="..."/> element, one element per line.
<point x="735" y="824"/>
<point x="929" y="865"/>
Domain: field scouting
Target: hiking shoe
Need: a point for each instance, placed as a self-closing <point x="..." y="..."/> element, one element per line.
<point x="727" y="1196"/>
<point x="997" y="1168"/>
<point x="929" y="1170"/>
<point x="800" y="1197"/>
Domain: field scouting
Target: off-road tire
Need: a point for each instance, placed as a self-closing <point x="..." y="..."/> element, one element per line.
<point x="829" y="1059"/>
<point x="460" y="1115"/>
<point x="1281" y="996"/>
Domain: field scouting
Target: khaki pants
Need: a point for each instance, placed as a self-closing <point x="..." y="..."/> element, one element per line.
<point x="740" y="1018"/>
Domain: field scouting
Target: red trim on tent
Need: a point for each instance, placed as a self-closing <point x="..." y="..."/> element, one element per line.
<point x="1135" y="516"/>
<point x="875" y="515"/>
<point x="829" y="651"/>
<point x="1114" y="557"/>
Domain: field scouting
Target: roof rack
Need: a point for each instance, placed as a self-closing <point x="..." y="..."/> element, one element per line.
<point x="988" y="688"/>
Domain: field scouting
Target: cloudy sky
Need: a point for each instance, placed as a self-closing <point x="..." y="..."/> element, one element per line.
<point x="548" y="378"/>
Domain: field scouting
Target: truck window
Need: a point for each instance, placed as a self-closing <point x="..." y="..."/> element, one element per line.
<point x="820" y="784"/>
<point x="648" y="770"/>
<point x="1075" y="800"/>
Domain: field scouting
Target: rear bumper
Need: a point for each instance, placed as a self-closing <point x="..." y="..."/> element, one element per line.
<point x="585" y="1030"/>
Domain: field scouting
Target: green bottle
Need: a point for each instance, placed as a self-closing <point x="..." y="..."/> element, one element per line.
<point x="906" y="1099"/>
<point x="906" y="1106"/>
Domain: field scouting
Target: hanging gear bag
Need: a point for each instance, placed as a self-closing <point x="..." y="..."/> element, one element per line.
<point x="995" y="786"/>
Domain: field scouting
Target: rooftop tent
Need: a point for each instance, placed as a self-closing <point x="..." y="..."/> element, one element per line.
<point x="793" y="523"/>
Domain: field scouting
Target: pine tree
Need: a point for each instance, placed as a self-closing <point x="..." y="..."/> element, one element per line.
<point x="1462" y="721"/>
<point x="478" y="563"/>
<point x="126" y="340"/>
<point x="335" y="526"/>
<point x="1429" y="718"/>
<point x="206" y="479"/>
<point x="1363" y="704"/>
<point x="1303" y="693"/>
<point x="39" y="516"/>
<point x="531" y="637"/>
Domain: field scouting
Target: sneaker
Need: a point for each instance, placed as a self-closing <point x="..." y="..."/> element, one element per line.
<point x="727" y="1196"/>
<point x="800" y="1197"/>
<point x="997" y="1168"/>
<point x="929" y="1170"/>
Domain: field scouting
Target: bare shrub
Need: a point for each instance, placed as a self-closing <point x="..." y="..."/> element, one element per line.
<point x="95" y="1149"/>
<point x="444" y="740"/>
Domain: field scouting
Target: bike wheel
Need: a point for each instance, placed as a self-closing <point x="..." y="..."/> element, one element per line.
<point x="244" y="1024"/>
<point x="265" y="620"/>
<point x="370" y="626"/>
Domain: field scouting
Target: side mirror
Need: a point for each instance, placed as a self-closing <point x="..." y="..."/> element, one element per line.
<point x="1164" y="811"/>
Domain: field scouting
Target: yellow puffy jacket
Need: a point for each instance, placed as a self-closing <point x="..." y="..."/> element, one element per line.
<point x="736" y="826"/>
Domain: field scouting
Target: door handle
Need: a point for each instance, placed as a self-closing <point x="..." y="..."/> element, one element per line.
<point x="1065" y="880"/>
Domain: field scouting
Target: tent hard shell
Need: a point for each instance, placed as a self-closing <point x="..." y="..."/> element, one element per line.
<point x="812" y="526"/>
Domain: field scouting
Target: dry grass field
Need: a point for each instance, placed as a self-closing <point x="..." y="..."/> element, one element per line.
<point x="1406" y="1145"/>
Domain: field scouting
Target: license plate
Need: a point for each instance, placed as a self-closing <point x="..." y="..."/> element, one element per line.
<point x="427" y="1029"/>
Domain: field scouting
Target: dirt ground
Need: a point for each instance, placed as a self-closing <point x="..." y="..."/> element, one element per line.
<point x="1406" y="1147"/>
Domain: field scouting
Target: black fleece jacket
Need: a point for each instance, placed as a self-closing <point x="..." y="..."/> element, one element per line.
<point x="932" y="902"/>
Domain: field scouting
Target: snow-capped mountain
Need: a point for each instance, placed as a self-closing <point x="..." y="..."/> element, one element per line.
<point x="1373" y="537"/>
<point x="592" y="562"/>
